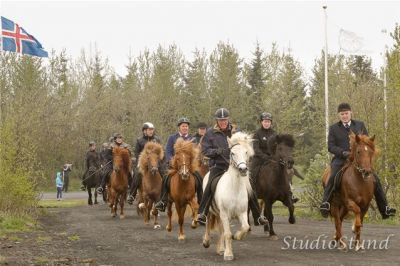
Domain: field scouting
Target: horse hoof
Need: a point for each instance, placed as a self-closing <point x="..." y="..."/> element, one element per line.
<point x="194" y="225"/>
<point x="206" y="243"/>
<point x="181" y="238"/>
<point x="157" y="226"/>
<point x="122" y="217"/>
<point x="96" y="202"/>
<point x="169" y="229"/>
<point x="228" y="257"/>
<point x="292" y="220"/>
<point x="273" y="237"/>
<point x="141" y="205"/>
<point x="113" y="215"/>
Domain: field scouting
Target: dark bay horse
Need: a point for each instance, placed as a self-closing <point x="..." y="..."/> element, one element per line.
<point x="150" y="189"/>
<point x="356" y="187"/>
<point x="183" y="183"/>
<point x="118" y="186"/>
<point x="273" y="179"/>
<point x="92" y="180"/>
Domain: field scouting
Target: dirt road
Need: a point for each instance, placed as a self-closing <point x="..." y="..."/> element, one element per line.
<point x="89" y="235"/>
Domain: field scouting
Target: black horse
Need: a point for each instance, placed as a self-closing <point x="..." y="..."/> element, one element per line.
<point x="92" y="180"/>
<point x="273" y="179"/>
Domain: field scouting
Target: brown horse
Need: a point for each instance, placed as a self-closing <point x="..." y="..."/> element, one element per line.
<point x="273" y="179"/>
<point x="183" y="183"/>
<point x="356" y="189"/>
<point x="150" y="189"/>
<point x="118" y="186"/>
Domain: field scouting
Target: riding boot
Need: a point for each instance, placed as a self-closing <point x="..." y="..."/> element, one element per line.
<point x="381" y="200"/>
<point x="325" y="207"/>
<point x="104" y="181"/>
<point x="255" y="210"/>
<point x="136" y="181"/>
<point x="164" y="195"/>
<point x="199" y="186"/>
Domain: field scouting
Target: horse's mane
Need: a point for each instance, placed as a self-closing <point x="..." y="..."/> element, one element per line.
<point x="281" y="138"/>
<point x="189" y="149"/>
<point x="364" y="139"/>
<point x="243" y="139"/>
<point x="124" y="154"/>
<point x="150" y="147"/>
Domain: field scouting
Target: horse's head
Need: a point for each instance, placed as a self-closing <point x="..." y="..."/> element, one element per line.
<point x="151" y="157"/>
<point x="362" y="153"/>
<point x="241" y="148"/>
<point x="185" y="160"/>
<point x="121" y="159"/>
<point x="281" y="148"/>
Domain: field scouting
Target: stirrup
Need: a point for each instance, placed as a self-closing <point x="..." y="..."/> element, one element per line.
<point x="390" y="211"/>
<point x="131" y="199"/>
<point x="323" y="208"/>
<point x="160" y="206"/>
<point x="99" y="190"/>
<point x="202" y="219"/>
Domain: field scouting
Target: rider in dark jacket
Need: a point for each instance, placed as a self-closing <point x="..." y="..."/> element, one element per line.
<point x="215" y="146"/>
<point x="183" y="132"/>
<point x="339" y="146"/>
<point x="148" y="136"/>
<point x="92" y="163"/>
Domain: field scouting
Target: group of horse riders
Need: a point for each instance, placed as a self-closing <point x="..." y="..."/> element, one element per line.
<point x="214" y="145"/>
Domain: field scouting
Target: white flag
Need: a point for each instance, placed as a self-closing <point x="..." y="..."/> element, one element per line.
<point x="350" y="42"/>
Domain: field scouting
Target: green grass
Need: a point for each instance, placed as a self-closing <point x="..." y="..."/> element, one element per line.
<point x="74" y="238"/>
<point x="69" y="203"/>
<point x="11" y="224"/>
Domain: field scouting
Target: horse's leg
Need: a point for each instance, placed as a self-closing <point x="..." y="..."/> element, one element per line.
<point x="95" y="195"/>
<point x="357" y="222"/>
<point x="113" y="203"/>
<point x="289" y="203"/>
<point x="89" y="191"/>
<point x="195" y="207"/>
<point x="169" y="212"/>
<point x="154" y="212"/>
<point x="241" y="234"/>
<point x="180" y="209"/>
<point x="221" y="238"/>
<point x="228" y="254"/>
<point x="338" y="216"/>
<point x="121" y="204"/>
<point x="268" y="213"/>
<point x="146" y="209"/>
<point x="206" y="236"/>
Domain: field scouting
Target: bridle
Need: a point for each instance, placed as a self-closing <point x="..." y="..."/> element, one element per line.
<point x="364" y="173"/>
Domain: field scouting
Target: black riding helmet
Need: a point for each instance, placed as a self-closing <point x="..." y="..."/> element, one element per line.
<point x="183" y="120"/>
<point x="221" y="113"/>
<point x="265" y="116"/>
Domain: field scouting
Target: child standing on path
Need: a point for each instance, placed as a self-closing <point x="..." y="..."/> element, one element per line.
<point x="59" y="185"/>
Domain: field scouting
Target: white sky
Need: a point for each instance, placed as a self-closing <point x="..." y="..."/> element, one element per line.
<point x="118" y="27"/>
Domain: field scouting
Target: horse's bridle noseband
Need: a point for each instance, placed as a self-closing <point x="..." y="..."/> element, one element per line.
<point x="234" y="163"/>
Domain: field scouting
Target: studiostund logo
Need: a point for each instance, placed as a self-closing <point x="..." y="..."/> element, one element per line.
<point x="323" y="242"/>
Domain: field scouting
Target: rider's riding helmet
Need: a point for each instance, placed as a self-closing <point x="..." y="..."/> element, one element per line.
<point x="221" y="113"/>
<point x="147" y="125"/>
<point x="183" y="120"/>
<point x="265" y="116"/>
<point x="117" y="135"/>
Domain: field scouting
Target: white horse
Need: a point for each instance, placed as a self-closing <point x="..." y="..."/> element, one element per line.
<point x="231" y="196"/>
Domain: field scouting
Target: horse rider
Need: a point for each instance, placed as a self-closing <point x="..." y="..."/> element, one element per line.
<point x="183" y="132"/>
<point x="92" y="163"/>
<point x="201" y="130"/>
<point x="339" y="146"/>
<point x="262" y="154"/>
<point x="215" y="146"/>
<point x="148" y="136"/>
<point x="118" y="141"/>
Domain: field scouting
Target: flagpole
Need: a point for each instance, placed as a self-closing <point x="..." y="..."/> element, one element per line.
<point x="326" y="80"/>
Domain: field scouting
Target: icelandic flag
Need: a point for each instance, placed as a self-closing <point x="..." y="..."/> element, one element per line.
<point x="16" y="39"/>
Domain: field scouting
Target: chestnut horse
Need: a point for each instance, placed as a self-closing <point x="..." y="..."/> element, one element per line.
<point x="356" y="189"/>
<point x="183" y="183"/>
<point x="150" y="189"/>
<point x="118" y="186"/>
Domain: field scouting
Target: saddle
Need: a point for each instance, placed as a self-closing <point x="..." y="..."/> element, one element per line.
<point x="214" y="183"/>
<point x="338" y="177"/>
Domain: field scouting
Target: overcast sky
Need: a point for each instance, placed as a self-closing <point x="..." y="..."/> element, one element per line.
<point x="117" y="27"/>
